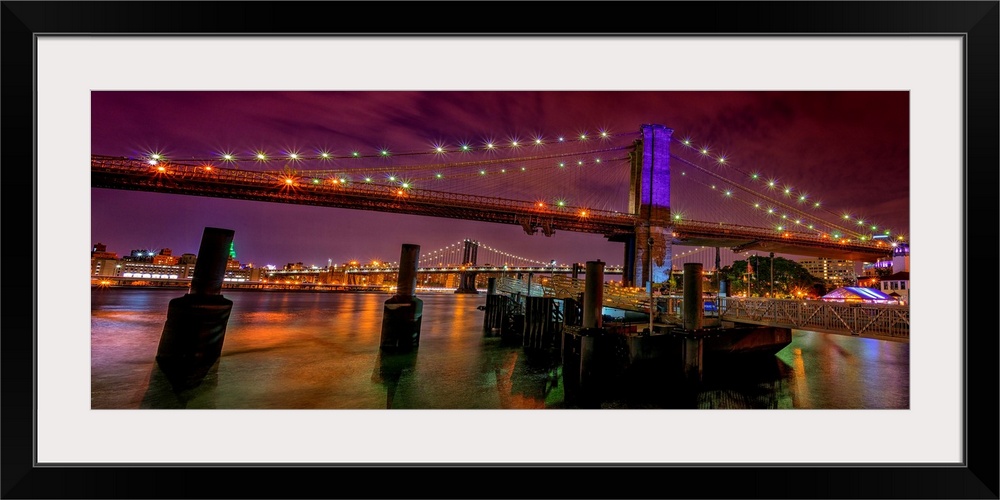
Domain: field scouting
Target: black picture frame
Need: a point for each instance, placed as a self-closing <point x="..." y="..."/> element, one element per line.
<point x="977" y="22"/>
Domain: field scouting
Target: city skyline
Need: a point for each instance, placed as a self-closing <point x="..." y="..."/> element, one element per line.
<point x="850" y="148"/>
<point x="702" y="254"/>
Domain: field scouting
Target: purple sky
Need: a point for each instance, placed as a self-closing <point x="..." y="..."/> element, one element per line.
<point x="850" y="149"/>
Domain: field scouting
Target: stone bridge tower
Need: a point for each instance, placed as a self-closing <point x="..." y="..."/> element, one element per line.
<point x="648" y="249"/>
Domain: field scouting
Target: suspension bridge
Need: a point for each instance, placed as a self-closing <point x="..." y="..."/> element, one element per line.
<point x="474" y="256"/>
<point x="626" y="187"/>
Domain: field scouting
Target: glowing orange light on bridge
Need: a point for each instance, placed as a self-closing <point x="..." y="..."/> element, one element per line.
<point x="161" y="169"/>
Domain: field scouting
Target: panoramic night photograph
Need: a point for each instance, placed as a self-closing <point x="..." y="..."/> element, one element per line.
<point x="498" y="250"/>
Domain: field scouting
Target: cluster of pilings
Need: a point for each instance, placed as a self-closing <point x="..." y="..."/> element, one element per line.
<point x="532" y="321"/>
<point x="504" y="315"/>
<point x="598" y="361"/>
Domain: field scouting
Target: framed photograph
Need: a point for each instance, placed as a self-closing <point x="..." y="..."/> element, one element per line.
<point x="439" y="251"/>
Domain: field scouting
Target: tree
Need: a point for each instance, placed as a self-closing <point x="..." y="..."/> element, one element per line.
<point x="790" y="278"/>
<point x="672" y="285"/>
<point x="793" y="278"/>
<point x="740" y="282"/>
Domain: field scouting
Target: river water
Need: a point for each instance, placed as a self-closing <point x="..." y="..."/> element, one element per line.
<point x="293" y="350"/>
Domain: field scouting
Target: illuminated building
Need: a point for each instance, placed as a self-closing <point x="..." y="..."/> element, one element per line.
<point x="103" y="262"/>
<point x="148" y="270"/>
<point x="901" y="258"/>
<point x="873" y="268"/>
<point x="165" y="257"/>
<point x="835" y="272"/>
<point x="100" y="251"/>
<point x="162" y="265"/>
<point x="897" y="285"/>
<point x="141" y="255"/>
<point x="298" y="273"/>
<point x="237" y="274"/>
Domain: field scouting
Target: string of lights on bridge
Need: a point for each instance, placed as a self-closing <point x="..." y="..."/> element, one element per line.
<point x="703" y="254"/>
<point x="391" y="183"/>
<point x="403" y="178"/>
<point x="452" y="254"/>
<point x="261" y="156"/>
<point x="773" y="207"/>
<point x="394" y="176"/>
<point x="798" y="212"/>
<point x="450" y="251"/>
<point x="772" y="210"/>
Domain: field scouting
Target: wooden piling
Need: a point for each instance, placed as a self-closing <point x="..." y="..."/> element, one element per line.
<point x="542" y="322"/>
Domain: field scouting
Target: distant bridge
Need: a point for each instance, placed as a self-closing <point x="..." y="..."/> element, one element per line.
<point x="486" y="269"/>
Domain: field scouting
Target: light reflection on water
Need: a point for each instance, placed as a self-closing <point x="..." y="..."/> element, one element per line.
<point x="287" y="350"/>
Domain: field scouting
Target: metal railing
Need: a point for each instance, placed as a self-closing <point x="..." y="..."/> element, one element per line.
<point x="881" y="320"/>
<point x="514" y="286"/>
<point x="860" y="319"/>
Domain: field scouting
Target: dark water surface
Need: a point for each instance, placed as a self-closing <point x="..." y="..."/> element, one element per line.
<point x="288" y="350"/>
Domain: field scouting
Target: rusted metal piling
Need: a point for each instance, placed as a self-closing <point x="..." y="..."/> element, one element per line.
<point x="195" y="328"/>
<point x="402" y="313"/>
